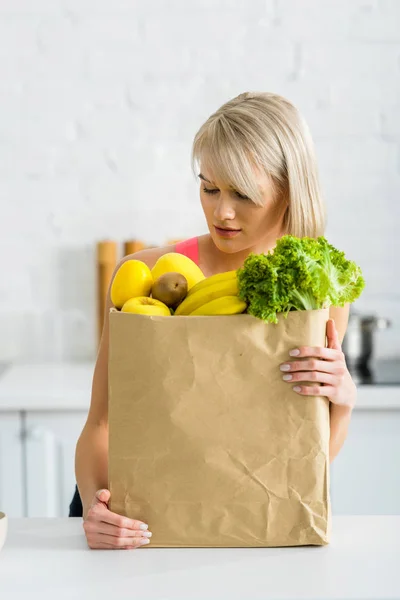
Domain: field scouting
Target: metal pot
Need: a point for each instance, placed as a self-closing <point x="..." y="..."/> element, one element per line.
<point x="358" y="342"/>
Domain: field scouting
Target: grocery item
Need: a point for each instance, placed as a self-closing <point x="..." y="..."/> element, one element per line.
<point x="143" y="305"/>
<point x="300" y="274"/>
<point x="226" y="305"/>
<point x="170" y="288"/>
<point x="217" y="288"/>
<point x="173" y="262"/>
<point x="132" y="279"/>
<point x="226" y="276"/>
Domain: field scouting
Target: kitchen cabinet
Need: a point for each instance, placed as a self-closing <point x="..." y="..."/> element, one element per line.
<point x="46" y="404"/>
<point x="365" y="476"/>
<point x="50" y="440"/>
<point x="11" y="464"/>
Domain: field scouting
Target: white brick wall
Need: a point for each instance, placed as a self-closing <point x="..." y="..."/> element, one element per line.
<point x="99" y="105"/>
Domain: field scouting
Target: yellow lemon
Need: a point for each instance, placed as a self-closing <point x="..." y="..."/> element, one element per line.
<point x="146" y="306"/>
<point x="173" y="262"/>
<point x="132" y="279"/>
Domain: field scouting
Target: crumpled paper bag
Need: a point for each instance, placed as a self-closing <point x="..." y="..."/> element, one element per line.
<point x="207" y="444"/>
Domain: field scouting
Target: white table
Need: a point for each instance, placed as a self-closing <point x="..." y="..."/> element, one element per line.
<point x="49" y="559"/>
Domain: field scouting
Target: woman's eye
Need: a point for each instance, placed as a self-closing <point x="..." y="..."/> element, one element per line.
<point x="241" y="196"/>
<point x="215" y="191"/>
<point x="208" y="191"/>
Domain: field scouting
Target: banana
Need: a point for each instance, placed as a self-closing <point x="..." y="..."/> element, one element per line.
<point x="226" y="305"/>
<point x="211" y="292"/>
<point x="227" y="276"/>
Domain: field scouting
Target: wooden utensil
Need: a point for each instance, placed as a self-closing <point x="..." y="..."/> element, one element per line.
<point x="106" y="263"/>
<point x="132" y="246"/>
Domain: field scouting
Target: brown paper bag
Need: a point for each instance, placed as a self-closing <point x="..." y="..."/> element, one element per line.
<point x="207" y="444"/>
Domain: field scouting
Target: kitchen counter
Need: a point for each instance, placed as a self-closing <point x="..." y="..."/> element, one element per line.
<point x="46" y="386"/>
<point x="49" y="559"/>
<point x="67" y="386"/>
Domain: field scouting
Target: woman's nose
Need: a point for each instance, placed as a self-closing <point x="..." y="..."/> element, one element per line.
<point x="224" y="210"/>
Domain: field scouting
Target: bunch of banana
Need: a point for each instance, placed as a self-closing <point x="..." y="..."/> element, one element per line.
<point x="216" y="295"/>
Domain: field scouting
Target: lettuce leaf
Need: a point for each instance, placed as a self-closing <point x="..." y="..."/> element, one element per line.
<point x="299" y="274"/>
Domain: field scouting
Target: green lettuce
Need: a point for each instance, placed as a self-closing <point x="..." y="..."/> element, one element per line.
<point x="299" y="274"/>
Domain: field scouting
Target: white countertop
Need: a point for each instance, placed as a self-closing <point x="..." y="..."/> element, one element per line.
<point x="67" y="386"/>
<point x="49" y="559"/>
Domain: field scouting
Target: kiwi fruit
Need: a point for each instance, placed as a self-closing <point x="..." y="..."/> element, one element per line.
<point x="170" y="288"/>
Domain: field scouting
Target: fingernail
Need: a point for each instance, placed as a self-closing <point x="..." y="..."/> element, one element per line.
<point x="143" y="526"/>
<point x="147" y="534"/>
<point x="143" y="542"/>
<point x="295" y="352"/>
<point x="287" y="377"/>
<point x="285" y="367"/>
<point x="297" y="388"/>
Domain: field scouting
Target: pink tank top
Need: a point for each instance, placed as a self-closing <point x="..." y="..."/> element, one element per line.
<point x="189" y="248"/>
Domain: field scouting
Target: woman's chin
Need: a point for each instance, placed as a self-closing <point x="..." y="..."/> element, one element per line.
<point x="228" y="245"/>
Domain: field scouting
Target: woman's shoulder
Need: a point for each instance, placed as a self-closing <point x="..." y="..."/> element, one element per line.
<point x="192" y="247"/>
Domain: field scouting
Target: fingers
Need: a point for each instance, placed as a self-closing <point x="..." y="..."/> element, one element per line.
<point x="314" y="376"/>
<point x="103" y="546"/>
<point x="327" y="391"/>
<point x="121" y="542"/>
<point x="99" y="535"/>
<point x="333" y="336"/>
<point x="105" y="515"/>
<point x="112" y="530"/>
<point x="106" y="529"/>
<point x="320" y="352"/>
<point x="99" y="511"/>
<point x="103" y="496"/>
<point x="98" y="542"/>
<point x="313" y="364"/>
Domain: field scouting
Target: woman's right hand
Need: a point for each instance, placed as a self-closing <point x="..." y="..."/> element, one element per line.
<point x="105" y="529"/>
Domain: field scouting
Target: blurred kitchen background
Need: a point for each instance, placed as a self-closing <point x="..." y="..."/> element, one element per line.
<point x="100" y="102"/>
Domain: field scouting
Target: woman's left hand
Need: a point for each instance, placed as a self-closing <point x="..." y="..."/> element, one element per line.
<point x="325" y="366"/>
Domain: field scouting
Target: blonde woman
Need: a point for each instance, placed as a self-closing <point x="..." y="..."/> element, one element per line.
<point x="258" y="181"/>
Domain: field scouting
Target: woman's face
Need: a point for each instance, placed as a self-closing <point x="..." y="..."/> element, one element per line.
<point x="235" y="222"/>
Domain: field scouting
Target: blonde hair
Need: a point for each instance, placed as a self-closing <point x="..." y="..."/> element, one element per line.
<point x="265" y="130"/>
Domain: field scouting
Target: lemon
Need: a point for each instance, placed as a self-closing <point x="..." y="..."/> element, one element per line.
<point x="132" y="279"/>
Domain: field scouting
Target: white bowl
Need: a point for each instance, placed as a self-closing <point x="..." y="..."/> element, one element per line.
<point x="3" y="529"/>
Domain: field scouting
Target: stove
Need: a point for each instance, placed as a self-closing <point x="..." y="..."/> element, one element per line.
<point x="377" y="372"/>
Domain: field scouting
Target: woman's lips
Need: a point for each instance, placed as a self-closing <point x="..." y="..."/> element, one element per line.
<point x="226" y="233"/>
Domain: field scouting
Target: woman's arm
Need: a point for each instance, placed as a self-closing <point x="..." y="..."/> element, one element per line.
<point x="340" y="416"/>
<point x="91" y="457"/>
<point x="340" y="421"/>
